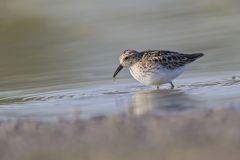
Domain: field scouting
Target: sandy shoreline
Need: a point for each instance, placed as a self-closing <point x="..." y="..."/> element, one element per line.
<point x="206" y="134"/>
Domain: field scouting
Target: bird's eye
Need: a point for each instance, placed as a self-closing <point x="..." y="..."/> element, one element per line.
<point x="126" y="58"/>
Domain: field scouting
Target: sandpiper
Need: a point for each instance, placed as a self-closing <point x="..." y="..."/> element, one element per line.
<point x="155" y="67"/>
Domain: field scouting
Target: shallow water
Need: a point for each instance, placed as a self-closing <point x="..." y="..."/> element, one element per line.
<point x="129" y="98"/>
<point x="57" y="59"/>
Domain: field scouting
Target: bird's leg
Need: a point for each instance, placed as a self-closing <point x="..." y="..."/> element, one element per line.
<point x="172" y="86"/>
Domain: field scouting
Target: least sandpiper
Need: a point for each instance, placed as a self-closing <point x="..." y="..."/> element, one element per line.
<point x="155" y="67"/>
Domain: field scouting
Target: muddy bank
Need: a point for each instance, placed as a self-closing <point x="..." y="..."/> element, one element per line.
<point x="205" y="134"/>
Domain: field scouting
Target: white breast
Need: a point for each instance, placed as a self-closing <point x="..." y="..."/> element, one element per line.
<point x="157" y="76"/>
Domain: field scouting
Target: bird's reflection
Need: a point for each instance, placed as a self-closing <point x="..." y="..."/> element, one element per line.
<point x="160" y="101"/>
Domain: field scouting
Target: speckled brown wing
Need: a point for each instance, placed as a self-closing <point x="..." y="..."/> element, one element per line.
<point x="167" y="59"/>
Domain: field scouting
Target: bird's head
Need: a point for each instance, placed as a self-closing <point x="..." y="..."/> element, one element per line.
<point x="127" y="59"/>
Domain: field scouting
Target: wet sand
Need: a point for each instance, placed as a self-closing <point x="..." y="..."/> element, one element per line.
<point x="199" y="134"/>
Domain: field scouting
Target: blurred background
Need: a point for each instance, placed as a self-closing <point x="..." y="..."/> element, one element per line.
<point x="57" y="58"/>
<point x="54" y="42"/>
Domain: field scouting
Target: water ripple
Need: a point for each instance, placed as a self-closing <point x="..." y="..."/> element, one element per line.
<point x="132" y="98"/>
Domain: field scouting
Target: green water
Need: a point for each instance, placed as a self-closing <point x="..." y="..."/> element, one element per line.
<point x="58" y="57"/>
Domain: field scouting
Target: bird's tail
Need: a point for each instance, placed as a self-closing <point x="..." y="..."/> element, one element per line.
<point x="194" y="56"/>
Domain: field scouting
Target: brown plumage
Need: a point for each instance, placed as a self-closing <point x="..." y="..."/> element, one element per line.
<point x="168" y="59"/>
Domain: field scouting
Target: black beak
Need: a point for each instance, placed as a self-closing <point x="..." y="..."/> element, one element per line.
<point x="120" y="67"/>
